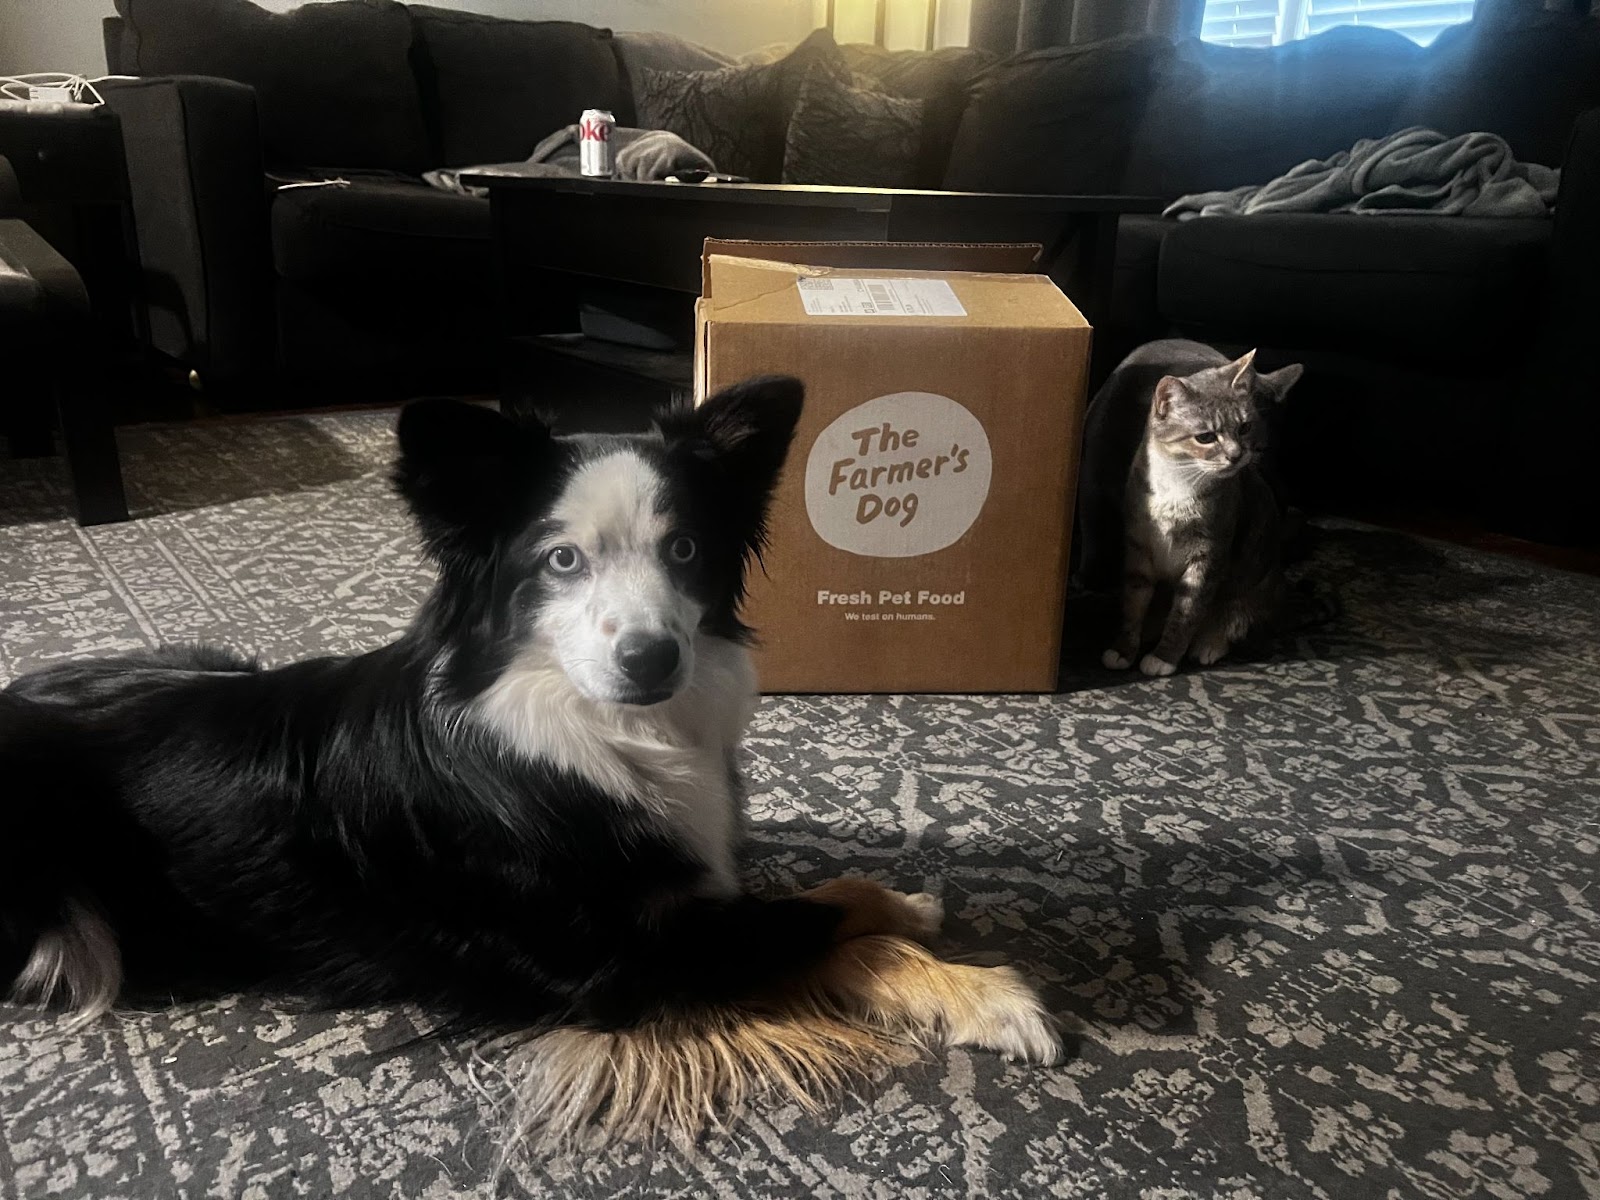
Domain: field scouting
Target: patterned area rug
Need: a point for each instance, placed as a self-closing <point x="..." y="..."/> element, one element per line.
<point x="1321" y="923"/>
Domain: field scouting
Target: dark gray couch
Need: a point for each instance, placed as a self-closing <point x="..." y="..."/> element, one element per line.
<point x="384" y="284"/>
<point x="1440" y="377"/>
<point x="1421" y="331"/>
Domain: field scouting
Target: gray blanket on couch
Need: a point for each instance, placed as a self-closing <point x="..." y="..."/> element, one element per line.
<point x="642" y="154"/>
<point x="1415" y="170"/>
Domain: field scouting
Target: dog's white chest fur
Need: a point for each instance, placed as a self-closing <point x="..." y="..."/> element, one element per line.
<point x="675" y="759"/>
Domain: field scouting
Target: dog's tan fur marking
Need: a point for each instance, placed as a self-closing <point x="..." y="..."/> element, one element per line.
<point x="78" y="961"/>
<point x="877" y="1001"/>
<point x="901" y="987"/>
<point x="872" y="908"/>
<point x="675" y="1078"/>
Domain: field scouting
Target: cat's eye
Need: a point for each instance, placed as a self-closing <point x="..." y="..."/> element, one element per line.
<point x="683" y="549"/>
<point x="565" y="560"/>
<point x="1206" y="438"/>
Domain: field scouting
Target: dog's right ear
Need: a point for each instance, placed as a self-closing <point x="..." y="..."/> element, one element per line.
<point x="742" y="436"/>
<point x="466" y="473"/>
<point x="751" y="424"/>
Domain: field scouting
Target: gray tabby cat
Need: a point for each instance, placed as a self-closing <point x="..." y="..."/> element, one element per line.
<point x="1199" y="516"/>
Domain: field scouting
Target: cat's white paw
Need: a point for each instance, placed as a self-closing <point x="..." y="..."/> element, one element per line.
<point x="1114" y="661"/>
<point x="1211" y="650"/>
<point x="1151" y="665"/>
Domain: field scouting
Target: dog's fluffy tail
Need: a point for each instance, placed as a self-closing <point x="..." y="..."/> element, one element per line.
<point x="54" y="945"/>
<point x="75" y="960"/>
<point x="877" y="1001"/>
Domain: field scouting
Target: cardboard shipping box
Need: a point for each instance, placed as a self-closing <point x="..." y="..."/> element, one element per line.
<point x="919" y="535"/>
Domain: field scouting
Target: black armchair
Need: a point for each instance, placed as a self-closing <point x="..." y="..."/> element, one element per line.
<point x="63" y="183"/>
<point x="1553" y="421"/>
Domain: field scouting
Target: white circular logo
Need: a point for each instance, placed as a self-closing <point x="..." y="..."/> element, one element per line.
<point x="901" y="475"/>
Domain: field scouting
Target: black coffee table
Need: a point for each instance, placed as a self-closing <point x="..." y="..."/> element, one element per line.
<point x="551" y="232"/>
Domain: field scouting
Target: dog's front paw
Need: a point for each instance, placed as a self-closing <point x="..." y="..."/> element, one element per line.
<point x="1151" y="665"/>
<point x="924" y="914"/>
<point x="1115" y="660"/>
<point x="1010" y="1020"/>
<point x="870" y="908"/>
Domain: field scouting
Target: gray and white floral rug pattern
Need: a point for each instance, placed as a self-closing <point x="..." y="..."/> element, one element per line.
<point x="1321" y="923"/>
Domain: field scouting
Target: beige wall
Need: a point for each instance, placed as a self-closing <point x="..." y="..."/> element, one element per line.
<point x="906" y="24"/>
<point x="52" y="35"/>
<point x="64" y="35"/>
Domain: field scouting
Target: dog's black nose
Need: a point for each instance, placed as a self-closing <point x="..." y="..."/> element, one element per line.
<point x="647" y="661"/>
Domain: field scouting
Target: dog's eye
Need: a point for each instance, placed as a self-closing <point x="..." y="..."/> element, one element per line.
<point x="565" y="560"/>
<point x="683" y="549"/>
<point x="1206" y="438"/>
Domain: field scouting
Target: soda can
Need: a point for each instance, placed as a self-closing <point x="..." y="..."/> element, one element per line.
<point x="595" y="153"/>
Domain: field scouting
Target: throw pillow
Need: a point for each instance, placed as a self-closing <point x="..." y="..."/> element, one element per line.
<point x="941" y="78"/>
<point x="1220" y="117"/>
<point x="738" y="115"/>
<point x="850" y="136"/>
<point x="1526" y="77"/>
<point x="1057" y="121"/>
<point x="333" y="81"/>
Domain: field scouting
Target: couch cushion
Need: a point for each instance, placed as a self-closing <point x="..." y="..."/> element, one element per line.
<point x="1058" y="120"/>
<point x="1422" y="286"/>
<point x="36" y="283"/>
<point x="738" y="115"/>
<point x="941" y="79"/>
<point x="494" y="88"/>
<point x="333" y="80"/>
<point x="1526" y="78"/>
<point x="383" y="231"/>
<point x="1225" y="116"/>
<point x="851" y="137"/>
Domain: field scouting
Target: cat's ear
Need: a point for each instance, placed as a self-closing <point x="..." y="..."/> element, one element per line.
<point x="1169" y="392"/>
<point x="1275" y="385"/>
<point x="1244" y="371"/>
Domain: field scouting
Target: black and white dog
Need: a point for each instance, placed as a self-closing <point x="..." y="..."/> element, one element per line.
<point x="522" y="814"/>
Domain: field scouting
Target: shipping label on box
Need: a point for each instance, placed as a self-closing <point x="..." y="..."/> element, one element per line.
<point x="919" y="535"/>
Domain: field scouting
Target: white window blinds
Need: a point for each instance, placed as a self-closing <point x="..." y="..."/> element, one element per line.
<point x="1242" y="22"/>
<point x="1270" y="22"/>
<point x="1419" y="20"/>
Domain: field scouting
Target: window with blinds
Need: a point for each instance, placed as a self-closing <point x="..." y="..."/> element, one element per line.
<point x="1242" y="22"/>
<point x="1270" y="22"/>
<point x="1419" y="20"/>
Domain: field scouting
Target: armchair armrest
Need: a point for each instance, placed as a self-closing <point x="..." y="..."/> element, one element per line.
<point x="200" y="206"/>
<point x="1577" y="227"/>
<point x="1555" y="499"/>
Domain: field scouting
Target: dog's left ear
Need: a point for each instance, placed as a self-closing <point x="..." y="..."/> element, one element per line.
<point x="746" y="430"/>
<point x="749" y="425"/>
<point x="466" y="472"/>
